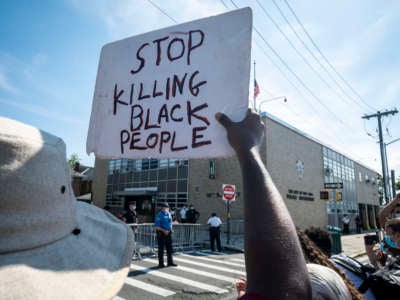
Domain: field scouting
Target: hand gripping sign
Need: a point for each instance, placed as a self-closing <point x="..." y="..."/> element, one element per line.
<point x="157" y="93"/>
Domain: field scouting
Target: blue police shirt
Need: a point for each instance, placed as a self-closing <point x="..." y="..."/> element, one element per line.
<point x="163" y="220"/>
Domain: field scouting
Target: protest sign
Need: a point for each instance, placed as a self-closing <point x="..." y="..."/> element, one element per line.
<point x="157" y="93"/>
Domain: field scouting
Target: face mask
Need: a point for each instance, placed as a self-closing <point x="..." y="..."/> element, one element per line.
<point x="167" y="209"/>
<point x="390" y="242"/>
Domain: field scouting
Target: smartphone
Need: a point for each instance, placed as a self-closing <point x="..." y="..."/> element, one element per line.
<point x="370" y="239"/>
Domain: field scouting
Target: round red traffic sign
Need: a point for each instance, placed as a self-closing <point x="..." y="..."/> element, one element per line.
<point x="228" y="192"/>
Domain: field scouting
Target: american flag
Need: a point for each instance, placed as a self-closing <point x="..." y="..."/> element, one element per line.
<point x="256" y="89"/>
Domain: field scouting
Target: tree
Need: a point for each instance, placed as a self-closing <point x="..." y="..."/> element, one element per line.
<point x="73" y="159"/>
<point x="398" y="184"/>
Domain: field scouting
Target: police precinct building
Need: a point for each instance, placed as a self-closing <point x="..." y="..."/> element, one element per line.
<point x="300" y="166"/>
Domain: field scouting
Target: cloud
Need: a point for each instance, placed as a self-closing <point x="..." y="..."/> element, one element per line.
<point x="124" y="18"/>
<point x="5" y="84"/>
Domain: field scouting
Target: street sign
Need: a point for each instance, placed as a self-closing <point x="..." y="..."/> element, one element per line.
<point x="228" y="192"/>
<point x="333" y="185"/>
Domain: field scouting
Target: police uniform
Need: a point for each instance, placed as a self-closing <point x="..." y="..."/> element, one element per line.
<point x="164" y="221"/>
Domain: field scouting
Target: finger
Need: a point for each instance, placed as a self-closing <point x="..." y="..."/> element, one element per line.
<point x="223" y="119"/>
<point x="249" y="112"/>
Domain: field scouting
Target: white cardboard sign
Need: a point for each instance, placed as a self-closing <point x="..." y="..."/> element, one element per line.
<point x="157" y="93"/>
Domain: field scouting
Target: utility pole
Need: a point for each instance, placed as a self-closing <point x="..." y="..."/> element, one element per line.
<point x="392" y="175"/>
<point x="254" y="89"/>
<point x="379" y="116"/>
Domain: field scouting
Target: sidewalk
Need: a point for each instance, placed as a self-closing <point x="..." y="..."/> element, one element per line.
<point x="352" y="244"/>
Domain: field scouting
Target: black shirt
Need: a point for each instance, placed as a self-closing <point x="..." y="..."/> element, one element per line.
<point x="130" y="216"/>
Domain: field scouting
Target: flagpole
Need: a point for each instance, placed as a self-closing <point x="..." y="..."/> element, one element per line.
<point x="254" y="96"/>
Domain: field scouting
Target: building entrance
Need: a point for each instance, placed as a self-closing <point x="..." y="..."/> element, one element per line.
<point x="145" y="208"/>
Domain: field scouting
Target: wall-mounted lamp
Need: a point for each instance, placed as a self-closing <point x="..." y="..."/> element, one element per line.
<point x="272" y="99"/>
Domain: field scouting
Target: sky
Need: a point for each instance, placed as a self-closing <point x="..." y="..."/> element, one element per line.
<point x="334" y="61"/>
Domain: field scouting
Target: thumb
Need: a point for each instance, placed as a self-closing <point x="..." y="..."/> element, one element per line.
<point x="223" y="120"/>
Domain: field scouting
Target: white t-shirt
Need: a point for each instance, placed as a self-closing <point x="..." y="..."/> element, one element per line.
<point x="214" y="221"/>
<point x="326" y="284"/>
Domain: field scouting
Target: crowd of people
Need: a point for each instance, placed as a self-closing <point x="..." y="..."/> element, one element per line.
<point x="282" y="262"/>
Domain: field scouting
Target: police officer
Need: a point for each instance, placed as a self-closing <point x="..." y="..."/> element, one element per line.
<point x="215" y="224"/>
<point x="130" y="216"/>
<point x="163" y="226"/>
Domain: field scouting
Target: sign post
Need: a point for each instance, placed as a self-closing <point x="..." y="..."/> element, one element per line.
<point x="228" y="195"/>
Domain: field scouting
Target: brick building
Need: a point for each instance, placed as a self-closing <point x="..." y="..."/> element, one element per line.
<point x="298" y="164"/>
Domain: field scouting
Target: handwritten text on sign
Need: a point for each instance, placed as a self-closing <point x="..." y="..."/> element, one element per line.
<point x="156" y="94"/>
<point x="139" y="135"/>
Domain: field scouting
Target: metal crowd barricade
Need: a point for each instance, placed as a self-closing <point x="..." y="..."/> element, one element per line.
<point x="144" y="239"/>
<point x="236" y="227"/>
<point x="184" y="237"/>
<point x="189" y="236"/>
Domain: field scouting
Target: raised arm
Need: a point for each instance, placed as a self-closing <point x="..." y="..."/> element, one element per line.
<point x="275" y="265"/>
<point x="387" y="210"/>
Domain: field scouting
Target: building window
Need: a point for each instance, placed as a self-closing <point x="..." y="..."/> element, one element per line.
<point x="338" y="168"/>
<point x="170" y="176"/>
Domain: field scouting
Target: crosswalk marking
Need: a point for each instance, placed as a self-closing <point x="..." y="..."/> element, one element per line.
<point x="237" y="259"/>
<point x="209" y="266"/>
<point x="206" y="253"/>
<point x="179" y="279"/>
<point x="149" y="287"/>
<point x="199" y="272"/>
<point x="214" y="260"/>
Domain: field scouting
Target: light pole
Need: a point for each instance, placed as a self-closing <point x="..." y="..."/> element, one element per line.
<point x="269" y="100"/>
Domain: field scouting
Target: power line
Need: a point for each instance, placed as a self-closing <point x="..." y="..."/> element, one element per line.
<point x="337" y="137"/>
<point x="296" y="76"/>
<point x="286" y="77"/>
<point x="162" y="11"/>
<point x="282" y="61"/>
<point x="223" y="3"/>
<point x="298" y="52"/>
<point x="292" y="72"/>
<point x="325" y="59"/>
<point x="313" y="55"/>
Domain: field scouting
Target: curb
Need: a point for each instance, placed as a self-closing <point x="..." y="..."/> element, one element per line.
<point x="233" y="248"/>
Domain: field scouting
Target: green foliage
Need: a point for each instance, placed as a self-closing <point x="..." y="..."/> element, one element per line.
<point x="398" y="184"/>
<point x="74" y="158"/>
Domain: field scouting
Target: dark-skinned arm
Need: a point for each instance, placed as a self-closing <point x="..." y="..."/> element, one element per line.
<point x="275" y="264"/>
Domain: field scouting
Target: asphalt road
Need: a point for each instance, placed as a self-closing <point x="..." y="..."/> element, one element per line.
<point x="199" y="275"/>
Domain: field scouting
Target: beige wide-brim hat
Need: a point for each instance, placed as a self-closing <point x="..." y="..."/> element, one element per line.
<point x="52" y="246"/>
